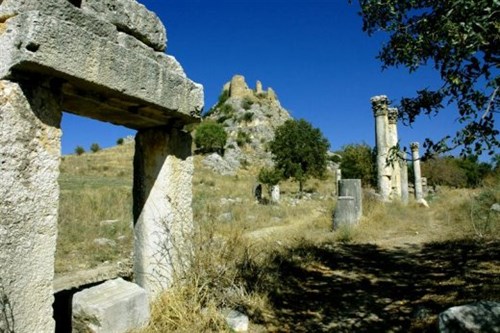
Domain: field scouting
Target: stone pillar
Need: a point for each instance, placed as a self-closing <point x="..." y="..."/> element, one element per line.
<point x="338" y="177"/>
<point x="275" y="194"/>
<point x="403" y="166"/>
<point x="345" y="213"/>
<point x="30" y="151"/>
<point x="163" y="218"/>
<point x="419" y="194"/>
<point x="352" y="188"/>
<point x="384" y="172"/>
<point x="392" y="140"/>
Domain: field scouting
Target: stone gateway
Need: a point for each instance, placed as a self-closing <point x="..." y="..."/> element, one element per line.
<point x="60" y="55"/>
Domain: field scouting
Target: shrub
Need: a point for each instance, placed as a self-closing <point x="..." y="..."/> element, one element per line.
<point x="79" y="150"/>
<point x="242" y="138"/>
<point x="210" y="136"/>
<point x="269" y="176"/>
<point x="223" y="97"/>
<point x="227" y="109"/>
<point x="119" y="141"/>
<point x="95" y="147"/>
<point x="246" y="103"/>
<point x="247" y="117"/>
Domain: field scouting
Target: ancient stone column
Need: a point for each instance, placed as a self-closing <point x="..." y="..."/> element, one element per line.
<point x="163" y="219"/>
<point x="384" y="171"/>
<point x="403" y="166"/>
<point x="352" y="188"/>
<point x="419" y="194"/>
<point x="275" y="194"/>
<point x="392" y="140"/>
<point x="30" y="151"/>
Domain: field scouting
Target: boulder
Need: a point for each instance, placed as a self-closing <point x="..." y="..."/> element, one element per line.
<point x="480" y="317"/>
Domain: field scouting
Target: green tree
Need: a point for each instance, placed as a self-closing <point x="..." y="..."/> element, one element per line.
<point x="269" y="176"/>
<point x="299" y="151"/>
<point x="79" y="150"/>
<point x="461" y="40"/>
<point x="95" y="147"/>
<point x="444" y="170"/>
<point x="210" y="137"/>
<point x="358" y="163"/>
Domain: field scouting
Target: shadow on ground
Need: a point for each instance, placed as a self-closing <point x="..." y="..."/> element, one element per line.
<point x="365" y="288"/>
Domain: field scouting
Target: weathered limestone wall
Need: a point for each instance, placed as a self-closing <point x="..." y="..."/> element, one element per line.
<point x="238" y="88"/>
<point x="30" y="136"/>
<point x="163" y="170"/>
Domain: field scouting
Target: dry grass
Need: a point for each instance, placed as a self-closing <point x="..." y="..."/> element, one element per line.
<point x="95" y="203"/>
<point x="261" y="259"/>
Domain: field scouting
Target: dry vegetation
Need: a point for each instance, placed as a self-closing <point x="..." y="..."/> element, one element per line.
<point x="282" y="265"/>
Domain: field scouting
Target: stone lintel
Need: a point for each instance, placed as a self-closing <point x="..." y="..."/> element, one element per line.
<point x="104" y="17"/>
<point x="132" y="18"/>
<point x="124" y="85"/>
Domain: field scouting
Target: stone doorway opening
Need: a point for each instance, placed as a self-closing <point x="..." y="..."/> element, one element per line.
<point x="101" y="63"/>
<point x="95" y="222"/>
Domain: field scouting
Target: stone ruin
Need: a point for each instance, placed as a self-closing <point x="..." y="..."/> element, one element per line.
<point x="238" y="88"/>
<point x="392" y="166"/>
<point x="102" y="59"/>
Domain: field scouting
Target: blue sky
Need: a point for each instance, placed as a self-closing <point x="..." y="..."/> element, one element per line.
<point x="313" y="53"/>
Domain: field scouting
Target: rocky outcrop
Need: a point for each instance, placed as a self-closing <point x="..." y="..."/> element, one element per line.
<point x="250" y="117"/>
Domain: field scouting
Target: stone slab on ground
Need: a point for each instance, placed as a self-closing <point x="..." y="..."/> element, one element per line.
<point x="480" y="317"/>
<point x="116" y="306"/>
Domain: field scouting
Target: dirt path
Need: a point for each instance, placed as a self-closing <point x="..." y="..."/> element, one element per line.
<point x="396" y="283"/>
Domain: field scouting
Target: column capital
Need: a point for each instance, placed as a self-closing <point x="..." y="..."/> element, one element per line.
<point x="393" y="114"/>
<point x="380" y="105"/>
<point x="414" y="146"/>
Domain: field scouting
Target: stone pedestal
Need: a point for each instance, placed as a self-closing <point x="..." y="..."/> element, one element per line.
<point x="419" y="193"/>
<point x="345" y="213"/>
<point x="30" y="136"/>
<point x="352" y="188"/>
<point x="163" y="221"/>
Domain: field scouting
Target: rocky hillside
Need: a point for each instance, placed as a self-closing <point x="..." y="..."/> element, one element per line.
<point x="249" y="117"/>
